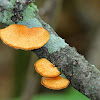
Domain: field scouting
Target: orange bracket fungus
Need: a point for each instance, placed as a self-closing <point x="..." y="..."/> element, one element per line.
<point x="0" y="33"/>
<point x="55" y="83"/>
<point x="51" y="78"/>
<point x="46" y="68"/>
<point x="22" y="37"/>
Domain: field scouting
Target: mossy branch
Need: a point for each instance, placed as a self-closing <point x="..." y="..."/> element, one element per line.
<point x="82" y="75"/>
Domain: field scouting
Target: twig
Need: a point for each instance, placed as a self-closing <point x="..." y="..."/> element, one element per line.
<point x="47" y="13"/>
<point x="83" y="76"/>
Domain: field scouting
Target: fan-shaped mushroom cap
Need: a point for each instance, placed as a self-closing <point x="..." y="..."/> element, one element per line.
<point x="0" y="33"/>
<point x="55" y="83"/>
<point x="22" y="37"/>
<point x="46" y="68"/>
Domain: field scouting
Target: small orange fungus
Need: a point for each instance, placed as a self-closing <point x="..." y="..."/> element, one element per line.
<point x="46" y="68"/>
<point x="55" y="83"/>
<point x="22" y="37"/>
<point x="0" y="33"/>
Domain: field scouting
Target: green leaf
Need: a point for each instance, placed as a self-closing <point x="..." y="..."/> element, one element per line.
<point x="69" y="94"/>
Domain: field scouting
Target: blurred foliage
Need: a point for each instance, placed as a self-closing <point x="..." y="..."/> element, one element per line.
<point x="69" y="94"/>
<point x="21" y="66"/>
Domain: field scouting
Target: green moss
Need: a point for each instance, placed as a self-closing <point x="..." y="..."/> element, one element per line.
<point x="6" y="4"/>
<point x="33" y="22"/>
<point x="29" y="17"/>
<point x="62" y="75"/>
<point x="55" y="43"/>
<point x="12" y="2"/>
<point x="6" y="17"/>
<point x="28" y="13"/>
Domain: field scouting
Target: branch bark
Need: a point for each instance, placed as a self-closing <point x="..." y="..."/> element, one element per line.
<point x="83" y="76"/>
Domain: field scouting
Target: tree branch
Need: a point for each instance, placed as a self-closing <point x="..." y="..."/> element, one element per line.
<point x="83" y="76"/>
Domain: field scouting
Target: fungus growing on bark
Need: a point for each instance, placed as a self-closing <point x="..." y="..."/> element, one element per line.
<point x="46" y="68"/>
<point x="55" y="83"/>
<point x="0" y="33"/>
<point x="22" y="37"/>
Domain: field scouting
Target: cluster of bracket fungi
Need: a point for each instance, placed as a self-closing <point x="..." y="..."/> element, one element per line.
<point x="22" y="37"/>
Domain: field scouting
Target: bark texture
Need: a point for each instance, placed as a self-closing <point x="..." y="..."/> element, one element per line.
<point x="83" y="76"/>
